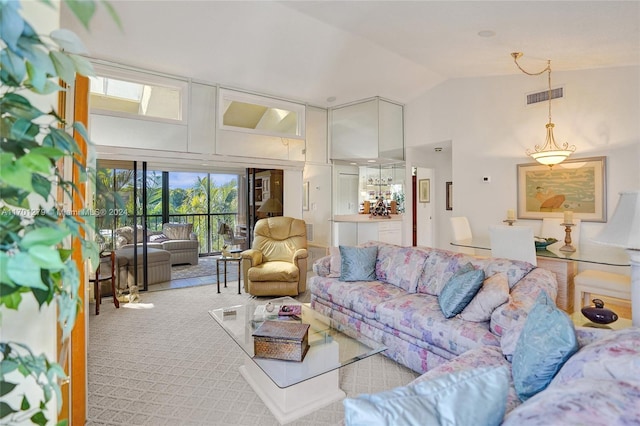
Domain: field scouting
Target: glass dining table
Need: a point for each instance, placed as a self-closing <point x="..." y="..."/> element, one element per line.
<point x="564" y="264"/>
<point x="590" y="253"/>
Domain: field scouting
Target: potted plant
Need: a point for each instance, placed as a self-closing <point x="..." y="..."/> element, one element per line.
<point x="36" y="228"/>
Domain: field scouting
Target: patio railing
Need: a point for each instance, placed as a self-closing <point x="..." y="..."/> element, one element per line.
<point x="205" y="226"/>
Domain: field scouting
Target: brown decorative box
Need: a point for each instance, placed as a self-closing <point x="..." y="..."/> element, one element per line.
<point x="286" y="340"/>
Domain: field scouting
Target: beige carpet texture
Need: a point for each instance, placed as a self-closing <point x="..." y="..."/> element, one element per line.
<point x="169" y="363"/>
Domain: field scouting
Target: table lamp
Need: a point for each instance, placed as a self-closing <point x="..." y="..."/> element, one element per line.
<point x="623" y="230"/>
<point x="271" y="207"/>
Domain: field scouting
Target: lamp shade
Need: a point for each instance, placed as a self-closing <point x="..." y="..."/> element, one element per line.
<point x="223" y="228"/>
<point x="272" y="205"/>
<point x="623" y="230"/>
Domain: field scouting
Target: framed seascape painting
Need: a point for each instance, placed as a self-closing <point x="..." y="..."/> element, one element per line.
<point x="577" y="185"/>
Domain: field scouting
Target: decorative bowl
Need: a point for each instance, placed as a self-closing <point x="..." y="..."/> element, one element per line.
<point x="542" y="243"/>
<point x="598" y="313"/>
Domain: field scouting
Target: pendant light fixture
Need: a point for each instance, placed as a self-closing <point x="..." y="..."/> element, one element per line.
<point x="550" y="153"/>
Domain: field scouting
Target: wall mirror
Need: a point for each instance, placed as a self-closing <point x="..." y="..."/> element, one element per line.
<point x="249" y="113"/>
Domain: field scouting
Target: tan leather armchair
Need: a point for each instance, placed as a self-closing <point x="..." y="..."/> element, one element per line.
<point x="276" y="264"/>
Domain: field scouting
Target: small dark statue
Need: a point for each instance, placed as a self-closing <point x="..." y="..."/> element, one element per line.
<point x="380" y="208"/>
<point x="598" y="313"/>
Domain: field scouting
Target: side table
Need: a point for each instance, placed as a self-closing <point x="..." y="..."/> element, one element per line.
<point x="224" y="261"/>
<point x="98" y="278"/>
<point x="580" y="320"/>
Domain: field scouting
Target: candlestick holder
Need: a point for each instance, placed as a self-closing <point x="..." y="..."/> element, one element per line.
<point x="567" y="238"/>
<point x="509" y="221"/>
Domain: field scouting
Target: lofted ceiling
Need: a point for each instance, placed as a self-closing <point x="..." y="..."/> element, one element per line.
<point x="348" y="50"/>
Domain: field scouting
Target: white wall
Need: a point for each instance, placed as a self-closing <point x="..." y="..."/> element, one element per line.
<point x="317" y="172"/>
<point x="490" y="129"/>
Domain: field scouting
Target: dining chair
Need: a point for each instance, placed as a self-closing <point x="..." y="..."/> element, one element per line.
<point x="513" y="242"/>
<point x="461" y="228"/>
<point x="462" y="231"/>
<point x="551" y="227"/>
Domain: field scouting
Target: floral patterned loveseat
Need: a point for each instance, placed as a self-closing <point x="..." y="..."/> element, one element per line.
<point x="400" y="308"/>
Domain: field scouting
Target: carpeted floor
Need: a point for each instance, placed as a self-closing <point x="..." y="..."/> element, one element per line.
<point x="172" y="364"/>
<point x="206" y="267"/>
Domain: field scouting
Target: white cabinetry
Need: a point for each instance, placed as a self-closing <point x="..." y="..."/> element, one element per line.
<point x="390" y="232"/>
<point x="367" y="130"/>
<point x="353" y="232"/>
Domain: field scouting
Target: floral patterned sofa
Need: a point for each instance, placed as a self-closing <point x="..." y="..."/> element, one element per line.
<point x="598" y="385"/>
<point x="400" y="309"/>
<point x="476" y="372"/>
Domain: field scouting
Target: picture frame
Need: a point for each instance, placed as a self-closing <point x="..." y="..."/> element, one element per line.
<point x="305" y="196"/>
<point x="577" y="185"/>
<point x="449" y="195"/>
<point x="424" y="190"/>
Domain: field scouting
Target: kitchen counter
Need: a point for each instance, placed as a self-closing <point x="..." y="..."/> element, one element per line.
<point x="354" y="229"/>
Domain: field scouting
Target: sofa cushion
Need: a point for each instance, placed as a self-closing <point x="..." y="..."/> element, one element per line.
<point x="616" y="356"/>
<point x="358" y="263"/>
<point x="419" y="316"/>
<point x="158" y="238"/>
<point x="459" y="291"/>
<point x="483" y="356"/>
<point x="274" y="271"/>
<point x="400" y="266"/>
<point x="125" y="235"/>
<point x="522" y="298"/>
<point x="177" y="231"/>
<point x="546" y="342"/>
<point x="175" y="245"/>
<point x="515" y="270"/>
<point x="439" y="267"/>
<point x="466" y="397"/>
<point x="363" y="297"/>
<point x="581" y="402"/>
<point x="493" y="293"/>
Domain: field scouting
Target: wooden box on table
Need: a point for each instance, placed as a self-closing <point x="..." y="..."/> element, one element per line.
<point x="285" y="340"/>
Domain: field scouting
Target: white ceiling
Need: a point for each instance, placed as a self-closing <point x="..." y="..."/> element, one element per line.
<point x="312" y="50"/>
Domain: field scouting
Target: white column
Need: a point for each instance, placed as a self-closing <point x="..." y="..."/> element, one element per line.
<point x="634" y="256"/>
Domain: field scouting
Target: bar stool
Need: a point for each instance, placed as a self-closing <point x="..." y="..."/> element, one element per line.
<point x="602" y="283"/>
<point x="98" y="278"/>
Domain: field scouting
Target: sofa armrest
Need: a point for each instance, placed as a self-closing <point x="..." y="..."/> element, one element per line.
<point x="122" y="242"/>
<point x="300" y="259"/>
<point x="250" y="258"/>
<point x="193" y="236"/>
<point x="322" y="266"/>
<point x="253" y="256"/>
<point x="300" y="254"/>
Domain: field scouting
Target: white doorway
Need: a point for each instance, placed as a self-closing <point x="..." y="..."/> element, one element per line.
<point x="425" y="208"/>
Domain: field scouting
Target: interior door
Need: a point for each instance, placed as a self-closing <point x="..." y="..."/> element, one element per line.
<point x="347" y="194"/>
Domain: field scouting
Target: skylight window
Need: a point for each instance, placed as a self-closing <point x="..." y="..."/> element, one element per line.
<point x="118" y="96"/>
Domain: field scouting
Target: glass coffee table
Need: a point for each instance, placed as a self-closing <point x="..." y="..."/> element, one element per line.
<point x="294" y="389"/>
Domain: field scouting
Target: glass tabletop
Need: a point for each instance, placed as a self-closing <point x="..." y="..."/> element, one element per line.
<point x="590" y="253"/>
<point x="329" y="347"/>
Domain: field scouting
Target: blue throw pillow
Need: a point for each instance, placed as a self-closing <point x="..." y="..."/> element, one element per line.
<point x="470" y="397"/>
<point x="358" y="263"/>
<point x="547" y="341"/>
<point x="459" y="290"/>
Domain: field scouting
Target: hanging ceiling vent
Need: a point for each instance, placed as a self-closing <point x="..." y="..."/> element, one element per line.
<point x="534" y="98"/>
